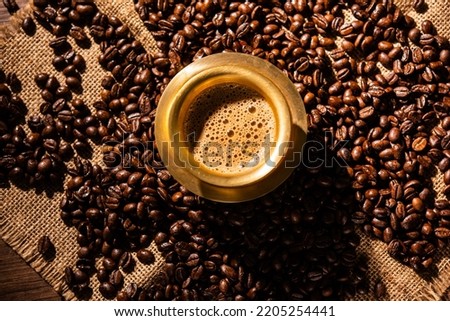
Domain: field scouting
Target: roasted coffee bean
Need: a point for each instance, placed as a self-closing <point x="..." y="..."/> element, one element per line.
<point x="419" y="144"/>
<point x="417" y="204"/>
<point x="69" y="277"/>
<point x="126" y="262"/>
<point x="107" y="290"/>
<point x="109" y="264"/>
<point x="445" y="142"/>
<point x="414" y="36"/>
<point x="411" y="222"/>
<point x="447" y="177"/>
<point x="79" y="63"/>
<point x="78" y="34"/>
<point x="59" y="43"/>
<point x="380" y="290"/>
<point x="70" y="70"/>
<point x="427" y="27"/>
<point x="59" y="63"/>
<point x="116" y="279"/>
<point x="444" y="56"/>
<point x="28" y="26"/>
<point x="419" y="5"/>
<point x="73" y="82"/>
<point x="366" y="112"/>
<point x="442" y="232"/>
<point x="103" y="275"/>
<point x="41" y="80"/>
<point x="228" y="272"/>
<point x="44" y="165"/>
<point x="52" y="83"/>
<point x="80" y="276"/>
<point x="145" y="256"/>
<point x="46" y="248"/>
<point x="401" y="92"/>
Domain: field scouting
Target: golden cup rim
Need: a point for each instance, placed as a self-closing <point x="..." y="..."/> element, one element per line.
<point x="245" y="70"/>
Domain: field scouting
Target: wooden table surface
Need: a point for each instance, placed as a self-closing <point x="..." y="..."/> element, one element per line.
<point x="18" y="281"/>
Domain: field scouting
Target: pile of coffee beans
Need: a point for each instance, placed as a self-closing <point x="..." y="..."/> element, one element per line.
<point x="23" y="157"/>
<point x="376" y="88"/>
<point x="376" y="81"/>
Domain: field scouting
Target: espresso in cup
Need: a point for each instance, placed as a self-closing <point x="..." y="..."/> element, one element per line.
<point x="229" y="128"/>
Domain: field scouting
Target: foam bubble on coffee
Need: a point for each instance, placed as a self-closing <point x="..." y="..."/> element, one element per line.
<point x="229" y="127"/>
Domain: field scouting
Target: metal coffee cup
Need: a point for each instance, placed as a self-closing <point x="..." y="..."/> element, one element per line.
<point x="278" y="155"/>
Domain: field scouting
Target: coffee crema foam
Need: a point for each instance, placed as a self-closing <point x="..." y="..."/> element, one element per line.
<point x="229" y="128"/>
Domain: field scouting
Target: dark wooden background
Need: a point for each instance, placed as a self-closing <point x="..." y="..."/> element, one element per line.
<point x="18" y="281"/>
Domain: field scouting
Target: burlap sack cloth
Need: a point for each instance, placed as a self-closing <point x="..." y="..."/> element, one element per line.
<point x="27" y="215"/>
